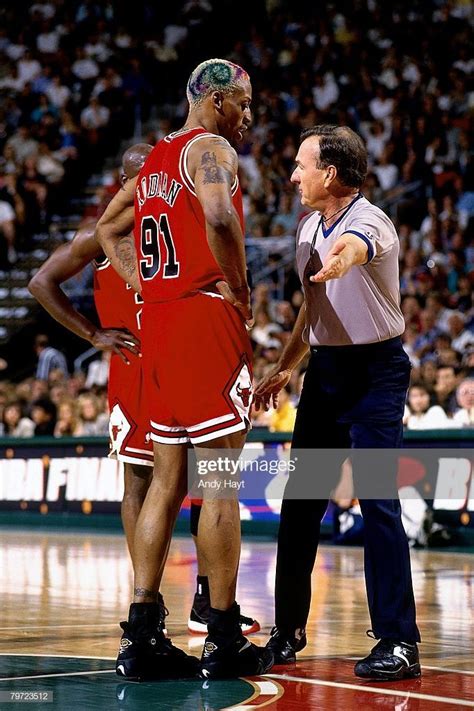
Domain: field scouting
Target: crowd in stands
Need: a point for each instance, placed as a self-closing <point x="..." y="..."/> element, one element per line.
<point x="79" y="78"/>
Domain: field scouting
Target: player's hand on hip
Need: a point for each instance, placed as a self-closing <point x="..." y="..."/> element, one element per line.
<point x="337" y="263"/>
<point x="266" y="393"/>
<point x="117" y="341"/>
<point x="240" y="298"/>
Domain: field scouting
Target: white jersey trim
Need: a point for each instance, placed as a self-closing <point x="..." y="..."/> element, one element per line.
<point x="242" y="425"/>
<point x="211" y="293"/>
<point x="168" y="440"/>
<point x="129" y="460"/>
<point x="139" y="451"/>
<point x="165" y="428"/>
<point x="103" y="265"/>
<point x="209" y="423"/>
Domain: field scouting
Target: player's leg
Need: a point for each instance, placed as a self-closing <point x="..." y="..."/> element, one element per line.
<point x="199" y="615"/>
<point x="155" y="524"/>
<point x="137" y="478"/>
<point x="145" y="651"/>
<point x="226" y="651"/>
<point x="219" y="522"/>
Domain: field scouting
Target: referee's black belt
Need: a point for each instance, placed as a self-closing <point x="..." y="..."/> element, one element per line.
<point x="359" y="347"/>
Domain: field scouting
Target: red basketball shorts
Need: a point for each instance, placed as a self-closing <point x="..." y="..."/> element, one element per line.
<point x="197" y="369"/>
<point x="129" y="422"/>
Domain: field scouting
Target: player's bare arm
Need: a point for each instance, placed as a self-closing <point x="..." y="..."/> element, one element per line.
<point x="267" y="390"/>
<point x="65" y="262"/>
<point x="348" y="251"/>
<point x="212" y="163"/>
<point x="113" y="234"/>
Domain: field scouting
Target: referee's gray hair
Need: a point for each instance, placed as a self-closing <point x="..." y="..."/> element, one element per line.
<point x="343" y="148"/>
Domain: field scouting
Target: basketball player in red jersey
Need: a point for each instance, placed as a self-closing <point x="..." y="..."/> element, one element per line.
<point x="187" y="211"/>
<point x="120" y="310"/>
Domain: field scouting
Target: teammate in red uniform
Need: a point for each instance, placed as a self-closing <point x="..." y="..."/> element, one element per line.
<point x="119" y="333"/>
<point x="197" y="357"/>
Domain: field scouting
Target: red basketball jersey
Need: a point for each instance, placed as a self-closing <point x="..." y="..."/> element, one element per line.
<point x="118" y="306"/>
<point x="174" y="258"/>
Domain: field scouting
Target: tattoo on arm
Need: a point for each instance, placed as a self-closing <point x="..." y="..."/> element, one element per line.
<point x="143" y="592"/>
<point x="213" y="172"/>
<point x="125" y="251"/>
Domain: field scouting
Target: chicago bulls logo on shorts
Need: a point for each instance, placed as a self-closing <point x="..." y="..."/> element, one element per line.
<point x="244" y="394"/>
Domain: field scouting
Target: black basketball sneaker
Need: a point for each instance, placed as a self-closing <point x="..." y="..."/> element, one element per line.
<point x="390" y="661"/>
<point x="285" y="645"/>
<point x="229" y="659"/>
<point x="145" y="653"/>
<point x="199" y="617"/>
<point x="227" y="654"/>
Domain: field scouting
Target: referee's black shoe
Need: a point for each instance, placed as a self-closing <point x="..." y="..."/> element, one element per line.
<point x="284" y="646"/>
<point x="145" y="653"/>
<point x="390" y="661"/>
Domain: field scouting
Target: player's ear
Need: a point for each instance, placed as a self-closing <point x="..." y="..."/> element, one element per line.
<point x="217" y="100"/>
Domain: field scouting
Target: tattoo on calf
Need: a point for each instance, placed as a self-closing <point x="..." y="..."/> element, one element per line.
<point x="143" y="592"/>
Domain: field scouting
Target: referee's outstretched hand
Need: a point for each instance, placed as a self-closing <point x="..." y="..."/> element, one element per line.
<point x="339" y="260"/>
<point x="266" y="392"/>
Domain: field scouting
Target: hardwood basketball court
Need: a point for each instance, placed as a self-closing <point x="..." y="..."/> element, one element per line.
<point x="64" y="594"/>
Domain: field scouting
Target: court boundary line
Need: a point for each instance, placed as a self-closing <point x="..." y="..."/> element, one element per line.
<point x="423" y="666"/>
<point x="55" y="627"/>
<point x="57" y="674"/>
<point x="302" y="659"/>
<point x="316" y="658"/>
<point x="447" y="669"/>
<point x="59" y="656"/>
<point x="258" y="691"/>
<point x="374" y="689"/>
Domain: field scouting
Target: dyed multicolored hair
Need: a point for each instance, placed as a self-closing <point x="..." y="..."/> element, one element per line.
<point x="214" y="75"/>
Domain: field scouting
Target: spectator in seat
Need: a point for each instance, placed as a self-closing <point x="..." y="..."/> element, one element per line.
<point x="464" y="416"/>
<point x="429" y="333"/>
<point x="7" y="229"/>
<point x="14" y="423"/>
<point x="445" y="388"/>
<point x="419" y="415"/>
<point x="283" y="417"/>
<point x="22" y="143"/>
<point x="93" y="422"/>
<point x="442" y="313"/>
<point x="461" y="338"/>
<point x="68" y="423"/>
<point x="386" y="171"/>
<point x="98" y="371"/>
<point x="49" y="358"/>
<point x="43" y="414"/>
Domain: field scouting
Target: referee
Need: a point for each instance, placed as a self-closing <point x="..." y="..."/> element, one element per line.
<point x="353" y="395"/>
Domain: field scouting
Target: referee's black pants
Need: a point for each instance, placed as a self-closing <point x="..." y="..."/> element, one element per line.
<point x="353" y="397"/>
